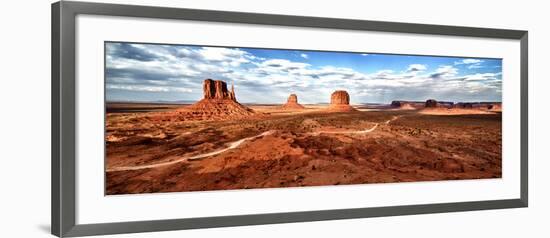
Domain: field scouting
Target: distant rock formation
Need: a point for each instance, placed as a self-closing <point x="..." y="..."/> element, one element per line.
<point x="397" y="103"/>
<point x="217" y="103"/>
<point x="339" y="101"/>
<point x="445" y="104"/>
<point x="431" y="103"/>
<point x="409" y="105"/>
<point x="292" y="103"/>
<point x="465" y="105"/>
<point x="492" y="106"/>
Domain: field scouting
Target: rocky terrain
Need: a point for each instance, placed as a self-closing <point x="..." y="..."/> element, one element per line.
<point x="218" y="143"/>
<point x="302" y="150"/>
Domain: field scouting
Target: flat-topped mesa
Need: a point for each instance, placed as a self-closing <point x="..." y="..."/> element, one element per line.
<point x="397" y="103"/>
<point x="292" y="103"/>
<point x="432" y="103"/>
<point x="217" y="89"/>
<point x="339" y="101"/>
<point x="494" y="106"/>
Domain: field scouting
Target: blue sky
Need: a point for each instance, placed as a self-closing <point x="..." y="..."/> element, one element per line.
<point x="155" y="72"/>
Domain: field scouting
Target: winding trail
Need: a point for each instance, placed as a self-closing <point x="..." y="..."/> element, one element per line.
<point x="392" y="119"/>
<point x="346" y="132"/>
<point x="356" y="132"/>
<point x="235" y="144"/>
<point x="232" y="145"/>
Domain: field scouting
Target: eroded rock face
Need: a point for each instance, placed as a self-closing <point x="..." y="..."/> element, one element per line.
<point x="339" y="97"/>
<point x="221" y="90"/>
<point x="339" y="101"/>
<point x="232" y="94"/>
<point x="292" y="103"/>
<point x="431" y="103"/>
<point x="208" y="89"/>
<point x="292" y="98"/>
<point x="217" y="89"/>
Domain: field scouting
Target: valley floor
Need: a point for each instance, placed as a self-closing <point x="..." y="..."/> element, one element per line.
<point x="306" y="148"/>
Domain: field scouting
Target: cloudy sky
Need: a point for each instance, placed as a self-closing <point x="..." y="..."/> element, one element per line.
<point x="154" y="72"/>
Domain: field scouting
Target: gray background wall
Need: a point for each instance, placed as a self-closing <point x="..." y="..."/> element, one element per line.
<point x="25" y="119"/>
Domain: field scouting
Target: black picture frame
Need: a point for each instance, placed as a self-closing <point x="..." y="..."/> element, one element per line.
<point x="63" y="117"/>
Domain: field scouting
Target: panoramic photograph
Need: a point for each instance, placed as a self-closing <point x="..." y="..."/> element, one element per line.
<point x="183" y="118"/>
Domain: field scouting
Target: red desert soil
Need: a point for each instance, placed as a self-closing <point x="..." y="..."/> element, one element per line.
<point x="406" y="106"/>
<point x="151" y="153"/>
<point x="455" y="111"/>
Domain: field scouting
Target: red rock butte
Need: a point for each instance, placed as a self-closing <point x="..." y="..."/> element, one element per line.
<point x="339" y="101"/>
<point x="217" y="103"/>
<point x="292" y="103"/>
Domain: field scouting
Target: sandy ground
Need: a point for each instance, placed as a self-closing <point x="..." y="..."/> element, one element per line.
<point x="299" y="148"/>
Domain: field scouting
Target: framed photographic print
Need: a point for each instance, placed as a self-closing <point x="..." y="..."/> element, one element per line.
<point x="167" y="119"/>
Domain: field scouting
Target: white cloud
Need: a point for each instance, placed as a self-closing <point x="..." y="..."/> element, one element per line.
<point x="364" y="54"/>
<point x="212" y="68"/>
<point x="280" y="66"/>
<point x="468" y="61"/>
<point x="304" y="56"/>
<point x="475" y="66"/>
<point x="180" y="69"/>
<point x="471" y="63"/>
<point x="416" y="68"/>
<point x="383" y="74"/>
<point x="444" y="71"/>
<point x="146" y="88"/>
<point x="481" y="77"/>
<point x="233" y="57"/>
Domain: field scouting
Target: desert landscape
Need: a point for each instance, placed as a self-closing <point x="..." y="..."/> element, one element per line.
<point x="217" y="143"/>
